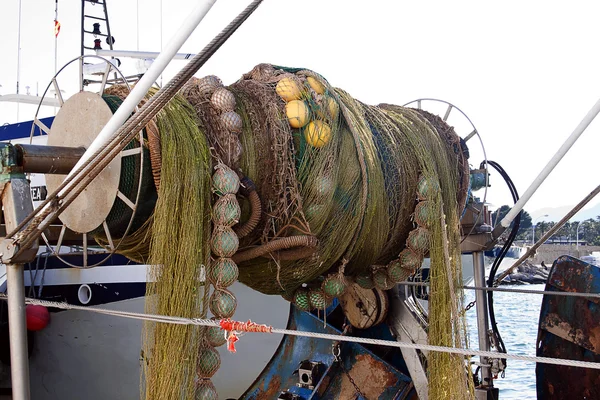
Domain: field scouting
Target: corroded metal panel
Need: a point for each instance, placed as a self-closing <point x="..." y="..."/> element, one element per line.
<point x="570" y="329"/>
<point x="374" y="377"/>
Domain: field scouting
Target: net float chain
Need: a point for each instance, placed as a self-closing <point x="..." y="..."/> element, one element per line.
<point x="224" y="242"/>
<point x="364" y="301"/>
<point x="223" y="100"/>
<point x="309" y="106"/>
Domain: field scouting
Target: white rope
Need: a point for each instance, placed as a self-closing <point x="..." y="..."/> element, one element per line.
<point x="316" y="335"/>
<point x="496" y="289"/>
<point x="567" y="294"/>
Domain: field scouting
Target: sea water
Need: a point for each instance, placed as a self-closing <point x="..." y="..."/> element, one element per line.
<point x="517" y="316"/>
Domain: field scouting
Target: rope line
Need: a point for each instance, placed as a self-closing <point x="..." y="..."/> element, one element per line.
<point x="495" y="289"/>
<point x="316" y="335"/>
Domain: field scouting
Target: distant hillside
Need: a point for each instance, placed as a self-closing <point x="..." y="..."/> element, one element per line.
<point x="556" y="213"/>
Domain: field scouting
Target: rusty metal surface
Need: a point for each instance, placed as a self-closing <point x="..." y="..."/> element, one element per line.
<point x="375" y="378"/>
<point x="569" y="329"/>
<point x="48" y="159"/>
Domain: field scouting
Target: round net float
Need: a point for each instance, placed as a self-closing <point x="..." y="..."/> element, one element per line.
<point x="317" y="86"/>
<point x="215" y="336"/>
<point x="334" y="285"/>
<point x="222" y="303"/>
<point x="425" y="213"/>
<point x="328" y="109"/>
<point x="234" y="146"/>
<point x="396" y="273"/>
<point x="208" y="362"/>
<point x="288" y="88"/>
<point x="381" y="279"/>
<point x="419" y="240"/>
<point x="410" y="260"/>
<point x="224" y="241"/>
<point x="225" y="180"/>
<point x="205" y="390"/>
<point x="223" y="100"/>
<point x="317" y="133"/>
<point x="226" y="211"/>
<point x="298" y="113"/>
<point x="365" y="281"/>
<point x="223" y="272"/>
<point x="364" y="308"/>
<point x="317" y="299"/>
<point x="301" y="299"/>
<point x="208" y="84"/>
<point x="232" y="121"/>
<point x="427" y="188"/>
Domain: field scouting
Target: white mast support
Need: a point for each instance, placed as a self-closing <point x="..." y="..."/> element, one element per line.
<point x="585" y="122"/>
<point x="19" y="57"/>
<point x="140" y="54"/>
<point x="141" y="88"/>
<point x="28" y="99"/>
<point x="19" y="49"/>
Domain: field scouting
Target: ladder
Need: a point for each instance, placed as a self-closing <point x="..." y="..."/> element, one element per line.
<point x="94" y="23"/>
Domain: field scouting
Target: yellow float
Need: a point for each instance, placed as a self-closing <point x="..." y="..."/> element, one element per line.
<point x="329" y="109"/>
<point x="298" y="113"/>
<point x="288" y="89"/>
<point x="317" y="134"/>
<point x="316" y="85"/>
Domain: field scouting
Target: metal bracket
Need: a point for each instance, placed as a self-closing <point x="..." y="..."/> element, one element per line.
<point x="309" y="374"/>
<point x="288" y="396"/>
<point x="17" y="204"/>
<point x="407" y="328"/>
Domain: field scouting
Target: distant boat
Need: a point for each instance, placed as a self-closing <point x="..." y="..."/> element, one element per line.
<point x="513" y="252"/>
<point x="593" y="258"/>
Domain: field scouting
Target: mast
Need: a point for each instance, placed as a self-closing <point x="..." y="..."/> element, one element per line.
<point x="18" y="56"/>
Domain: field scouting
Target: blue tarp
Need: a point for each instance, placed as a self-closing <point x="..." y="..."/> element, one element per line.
<point x="22" y="129"/>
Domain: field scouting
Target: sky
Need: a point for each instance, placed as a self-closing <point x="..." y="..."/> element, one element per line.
<point x="525" y="73"/>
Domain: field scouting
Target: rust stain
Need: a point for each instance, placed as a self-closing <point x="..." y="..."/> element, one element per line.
<point x="371" y="377"/>
<point x="272" y="391"/>
<point x="323" y="387"/>
<point x="594" y="338"/>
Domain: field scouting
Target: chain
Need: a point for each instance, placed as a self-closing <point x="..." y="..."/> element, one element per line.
<point x="468" y="307"/>
<point x="335" y="349"/>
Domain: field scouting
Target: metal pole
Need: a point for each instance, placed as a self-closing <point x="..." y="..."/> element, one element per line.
<point x="577" y="238"/>
<point x="141" y="54"/>
<point x="17" y="204"/>
<point x="511" y="215"/>
<point x="19" y="360"/>
<point x="481" y="307"/>
<point x="18" y="56"/>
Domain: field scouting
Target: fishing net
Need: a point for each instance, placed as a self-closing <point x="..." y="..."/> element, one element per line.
<point x="333" y="191"/>
<point x="179" y="250"/>
<point x="354" y="186"/>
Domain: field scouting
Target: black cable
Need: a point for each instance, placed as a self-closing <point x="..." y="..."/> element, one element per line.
<point x="494" y="269"/>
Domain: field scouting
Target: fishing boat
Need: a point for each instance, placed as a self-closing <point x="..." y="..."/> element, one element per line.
<point x="373" y="337"/>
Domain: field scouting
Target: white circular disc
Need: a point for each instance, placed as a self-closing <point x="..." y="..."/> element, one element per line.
<point x="77" y="124"/>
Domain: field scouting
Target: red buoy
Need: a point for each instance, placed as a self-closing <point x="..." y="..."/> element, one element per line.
<point x="37" y="317"/>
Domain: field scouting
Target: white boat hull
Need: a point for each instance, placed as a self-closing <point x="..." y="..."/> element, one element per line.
<point x="85" y="355"/>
